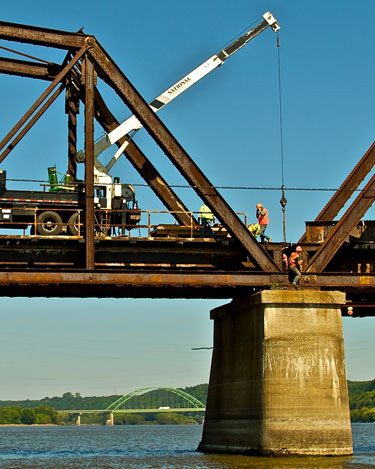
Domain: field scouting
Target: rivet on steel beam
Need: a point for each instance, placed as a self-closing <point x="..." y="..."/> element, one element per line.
<point x="90" y="41"/>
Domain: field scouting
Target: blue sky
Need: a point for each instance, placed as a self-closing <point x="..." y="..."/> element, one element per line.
<point x="229" y="124"/>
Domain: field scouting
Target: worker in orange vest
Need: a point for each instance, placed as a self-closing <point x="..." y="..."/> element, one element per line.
<point x="262" y="216"/>
<point x="295" y="265"/>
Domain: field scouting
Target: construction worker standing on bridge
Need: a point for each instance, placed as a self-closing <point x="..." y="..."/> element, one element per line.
<point x="262" y="216"/>
<point x="206" y="219"/>
<point x="295" y="265"/>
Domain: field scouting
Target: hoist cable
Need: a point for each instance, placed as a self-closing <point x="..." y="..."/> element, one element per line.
<point x="283" y="200"/>
<point x="280" y="111"/>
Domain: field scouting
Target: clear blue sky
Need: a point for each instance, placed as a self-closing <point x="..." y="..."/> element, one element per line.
<point x="229" y="124"/>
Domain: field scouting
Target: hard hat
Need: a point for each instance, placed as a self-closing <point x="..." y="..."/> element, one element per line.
<point x="259" y="205"/>
<point x="298" y="249"/>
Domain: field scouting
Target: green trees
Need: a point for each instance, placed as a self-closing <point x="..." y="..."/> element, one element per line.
<point x="44" y="411"/>
<point x="28" y="416"/>
<point x="17" y="416"/>
<point x="362" y="400"/>
<point x="170" y="418"/>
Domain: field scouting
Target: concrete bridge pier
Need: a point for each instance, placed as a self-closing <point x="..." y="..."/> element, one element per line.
<point x="78" y="421"/>
<point x="108" y="418"/>
<point x="278" y="376"/>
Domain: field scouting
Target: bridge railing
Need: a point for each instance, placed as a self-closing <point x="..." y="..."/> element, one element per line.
<point x="108" y="223"/>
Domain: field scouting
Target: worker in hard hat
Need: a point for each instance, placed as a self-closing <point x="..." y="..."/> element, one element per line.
<point x="262" y="216"/>
<point x="295" y="266"/>
<point x="206" y="219"/>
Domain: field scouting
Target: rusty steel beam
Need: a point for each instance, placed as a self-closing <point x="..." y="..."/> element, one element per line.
<point x="72" y="109"/>
<point x="32" y="121"/>
<point x="42" y="97"/>
<point x="157" y="279"/>
<point x="89" y="162"/>
<point x="103" y="115"/>
<point x="180" y="279"/>
<point x="338" y="280"/>
<point x="178" y="156"/>
<point x="133" y="153"/>
<point x="177" y="284"/>
<point x="144" y="166"/>
<point x="343" y="227"/>
<point x="347" y="188"/>
<point x="23" y="68"/>
<point x="41" y="36"/>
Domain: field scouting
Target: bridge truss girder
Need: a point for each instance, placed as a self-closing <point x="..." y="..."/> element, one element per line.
<point x="95" y="61"/>
<point x="351" y="217"/>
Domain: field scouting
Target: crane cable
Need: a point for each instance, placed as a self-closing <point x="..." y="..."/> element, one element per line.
<point x="283" y="200"/>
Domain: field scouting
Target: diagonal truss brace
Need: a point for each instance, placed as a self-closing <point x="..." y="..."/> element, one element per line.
<point x="347" y="188"/>
<point x="145" y="168"/>
<point x="178" y="156"/>
<point x="342" y="229"/>
<point x="112" y="75"/>
<point x="28" y="115"/>
<point x="106" y="119"/>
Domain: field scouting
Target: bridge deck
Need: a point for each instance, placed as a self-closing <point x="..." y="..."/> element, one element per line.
<point x="136" y="267"/>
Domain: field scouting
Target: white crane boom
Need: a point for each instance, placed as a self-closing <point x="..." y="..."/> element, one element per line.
<point x="132" y="124"/>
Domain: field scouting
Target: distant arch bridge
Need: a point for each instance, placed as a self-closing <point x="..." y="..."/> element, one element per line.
<point x="191" y="403"/>
<point x="177" y="401"/>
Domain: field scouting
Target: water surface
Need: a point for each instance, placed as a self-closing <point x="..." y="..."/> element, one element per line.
<point x="146" y="447"/>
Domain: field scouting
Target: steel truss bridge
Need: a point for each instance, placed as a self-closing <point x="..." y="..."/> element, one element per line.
<point x="338" y="254"/>
<point x="121" y="405"/>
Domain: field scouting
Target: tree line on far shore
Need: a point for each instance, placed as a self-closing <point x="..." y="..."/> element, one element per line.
<point x="42" y="412"/>
<point x="362" y="400"/>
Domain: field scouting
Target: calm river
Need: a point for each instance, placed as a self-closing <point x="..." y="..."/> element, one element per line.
<point x="164" y="446"/>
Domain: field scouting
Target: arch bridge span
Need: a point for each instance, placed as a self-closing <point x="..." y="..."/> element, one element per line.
<point x="192" y="404"/>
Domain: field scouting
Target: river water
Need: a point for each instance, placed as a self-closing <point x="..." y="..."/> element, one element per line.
<point x="146" y="447"/>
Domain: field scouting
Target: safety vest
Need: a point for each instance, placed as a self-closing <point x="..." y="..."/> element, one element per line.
<point x="205" y="213"/>
<point x="263" y="219"/>
<point x="254" y="229"/>
<point x="293" y="259"/>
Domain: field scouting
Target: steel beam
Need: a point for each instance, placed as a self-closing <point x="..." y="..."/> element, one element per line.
<point x="175" y="284"/>
<point x="40" y="100"/>
<point x="133" y="153"/>
<point x="23" y="68"/>
<point x="41" y="36"/>
<point x="347" y="188"/>
<point x="144" y="166"/>
<point x="72" y="109"/>
<point x="342" y="229"/>
<point x="89" y="162"/>
<point x="31" y="122"/>
<point x="178" y="156"/>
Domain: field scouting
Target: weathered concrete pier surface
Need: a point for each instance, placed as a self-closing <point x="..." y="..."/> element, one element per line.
<point x="278" y="376"/>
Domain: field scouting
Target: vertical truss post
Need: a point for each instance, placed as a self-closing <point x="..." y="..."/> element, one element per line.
<point x="89" y="162"/>
<point x="72" y="109"/>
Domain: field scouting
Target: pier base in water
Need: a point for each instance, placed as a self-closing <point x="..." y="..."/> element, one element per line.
<point x="278" y="378"/>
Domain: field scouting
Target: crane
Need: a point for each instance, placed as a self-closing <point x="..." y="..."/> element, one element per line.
<point x="132" y="124"/>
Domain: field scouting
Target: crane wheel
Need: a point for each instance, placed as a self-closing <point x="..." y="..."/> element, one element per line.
<point x="73" y="224"/>
<point x="49" y="223"/>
